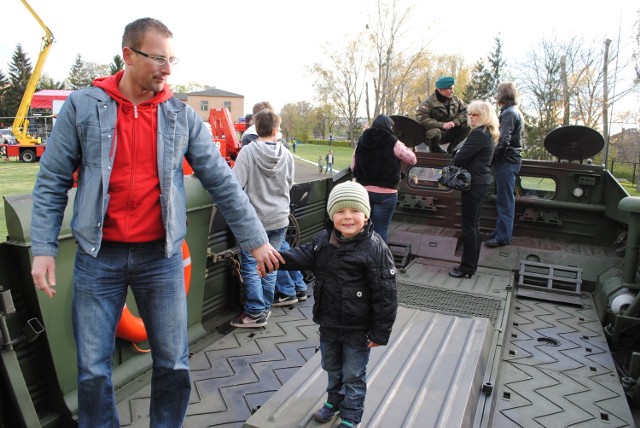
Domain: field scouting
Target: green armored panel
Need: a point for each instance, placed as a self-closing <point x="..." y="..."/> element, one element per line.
<point x="55" y="314"/>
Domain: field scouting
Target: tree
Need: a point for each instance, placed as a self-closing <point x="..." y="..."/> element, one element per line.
<point x="47" y="82"/>
<point x="391" y="65"/>
<point x="297" y="120"/>
<point x="341" y="83"/>
<point x="485" y="79"/>
<point x="79" y="75"/>
<point x="117" y="65"/>
<point x="20" y="70"/>
<point x="4" y="86"/>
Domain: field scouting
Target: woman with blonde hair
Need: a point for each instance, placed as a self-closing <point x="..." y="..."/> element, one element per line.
<point x="475" y="155"/>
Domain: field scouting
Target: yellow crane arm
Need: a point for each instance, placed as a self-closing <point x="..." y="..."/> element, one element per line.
<point x="21" y="124"/>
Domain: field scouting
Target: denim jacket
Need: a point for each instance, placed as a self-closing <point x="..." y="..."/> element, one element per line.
<point x="83" y="138"/>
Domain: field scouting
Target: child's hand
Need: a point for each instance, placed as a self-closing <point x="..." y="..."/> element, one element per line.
<point x="372" y="344"/>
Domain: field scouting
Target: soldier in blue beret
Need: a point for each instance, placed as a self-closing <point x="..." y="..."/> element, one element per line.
<point x="444" y="116"/>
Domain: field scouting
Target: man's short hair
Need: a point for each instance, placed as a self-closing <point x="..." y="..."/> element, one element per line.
<point x="266" y="121"/>
<point x="261" y="106"/>
<point x="134" y="31"/>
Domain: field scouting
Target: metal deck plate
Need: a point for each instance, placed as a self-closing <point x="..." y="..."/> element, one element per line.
<point x="557" y="370"/>
<point x="236" y="375"/>
<point x="429" y="375"/>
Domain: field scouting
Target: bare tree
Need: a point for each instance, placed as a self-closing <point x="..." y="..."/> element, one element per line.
<point x="297" y="120"/>
<point x="391" y="65"/>
<point x="341" y="82"/>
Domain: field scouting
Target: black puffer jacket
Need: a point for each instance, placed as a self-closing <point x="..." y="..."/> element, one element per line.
<point x="355" y="285"/>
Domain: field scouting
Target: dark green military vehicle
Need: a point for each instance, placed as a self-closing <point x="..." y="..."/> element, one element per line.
<point x="544" y="335"/>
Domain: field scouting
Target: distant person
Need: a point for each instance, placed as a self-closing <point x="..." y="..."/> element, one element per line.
<point x="329" y="160"/>
<point x="376" y="165"/>
<point x="330" y="140"/>
<point x="507" y="160"/>
<point x="355" y="298"/>
<point x="320" y="164"/>
<point x="294" y="144"/>
<point x="444" y="115"/>
<point x="250" y="133"/>
<point x="265" y="170"/>
<point x="475" y="155"/>
<point x="129" y="220"/>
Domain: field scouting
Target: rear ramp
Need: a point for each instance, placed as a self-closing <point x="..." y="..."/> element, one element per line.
<point x="430" y="375"/>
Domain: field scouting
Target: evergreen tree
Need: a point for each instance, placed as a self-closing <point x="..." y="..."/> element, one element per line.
<point x="4" y="86"/>
<point x="481" y="85"/>
<point x="79" y="75"/>
<point x="117" y="65"/>
<point x="20" y="70"/>
<point x="486" y="76"/>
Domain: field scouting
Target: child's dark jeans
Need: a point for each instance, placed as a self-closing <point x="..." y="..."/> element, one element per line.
<point x="345" y="354"/>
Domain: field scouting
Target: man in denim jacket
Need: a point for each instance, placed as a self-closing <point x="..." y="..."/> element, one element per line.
<point x="127" y="137"/>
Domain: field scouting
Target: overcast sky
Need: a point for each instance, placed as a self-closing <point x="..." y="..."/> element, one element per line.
<point x="261" y="49"/>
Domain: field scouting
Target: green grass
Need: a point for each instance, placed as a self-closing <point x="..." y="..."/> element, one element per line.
<point x="310" y="152"/>
<point x="16" y="178"/>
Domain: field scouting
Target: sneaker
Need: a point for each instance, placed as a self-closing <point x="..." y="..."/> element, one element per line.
<point x="250" y="320"/>
<point x="326" y="413"/>
<point x="301" y="295"/>
<point x="268" y="314"/>
<point x="346" y="424"/>
<point x="283" y="300"/>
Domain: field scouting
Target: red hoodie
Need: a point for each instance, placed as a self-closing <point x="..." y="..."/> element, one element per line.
<point x="134" y="213"/>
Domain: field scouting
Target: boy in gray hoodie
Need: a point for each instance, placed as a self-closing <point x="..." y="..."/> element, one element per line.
<point x="265" y="170"/>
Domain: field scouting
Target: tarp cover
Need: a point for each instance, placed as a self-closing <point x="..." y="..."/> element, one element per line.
<point x="45" y="98"/>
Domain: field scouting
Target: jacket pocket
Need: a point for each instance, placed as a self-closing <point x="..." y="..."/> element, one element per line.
<point x="356" y="305"/>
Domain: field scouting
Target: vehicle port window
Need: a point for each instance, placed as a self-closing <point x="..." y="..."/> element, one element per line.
<point x="424" y="177"/>
<point x="536" y="187"/>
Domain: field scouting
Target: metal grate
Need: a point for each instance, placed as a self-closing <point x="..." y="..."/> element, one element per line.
<point x="449" y="301"/>
<point x="550" y="282"/>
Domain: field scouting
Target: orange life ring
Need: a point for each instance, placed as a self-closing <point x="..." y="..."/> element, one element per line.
<point x="131" y="327"/>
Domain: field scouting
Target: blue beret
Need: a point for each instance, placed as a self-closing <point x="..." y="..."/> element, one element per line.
<point x="445" y="82"/>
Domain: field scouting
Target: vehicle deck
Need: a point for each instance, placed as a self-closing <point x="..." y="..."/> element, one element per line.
<point x="464" y="352"/>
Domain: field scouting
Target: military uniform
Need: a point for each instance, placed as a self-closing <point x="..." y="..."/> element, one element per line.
<point x="434" y="112"/>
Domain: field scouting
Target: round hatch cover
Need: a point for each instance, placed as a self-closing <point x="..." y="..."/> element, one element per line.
<point x="410" y="132"/>
<point x="573" y="142"/>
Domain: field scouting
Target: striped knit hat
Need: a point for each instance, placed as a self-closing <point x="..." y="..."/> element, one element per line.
<point x="349" y="195"/>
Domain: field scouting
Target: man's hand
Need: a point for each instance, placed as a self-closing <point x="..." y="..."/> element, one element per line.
<point x="43" y="272"/>
<point x="448" y="125"/>
<point x="372" y="344"/>
<point x="268" y="259"/>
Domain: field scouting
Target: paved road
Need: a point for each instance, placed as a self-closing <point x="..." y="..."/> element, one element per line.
<point x="307" y="171"/>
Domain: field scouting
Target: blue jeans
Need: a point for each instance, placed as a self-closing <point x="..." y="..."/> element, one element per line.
<point x="506" y="174"/>
<point x="383" y="206"/>
<point x="289" y="282"/>
<point x="345" y="355"/>
<point x="259" y="291"/>
<point x="471" y="202"/>
<point x="100" y="289"/>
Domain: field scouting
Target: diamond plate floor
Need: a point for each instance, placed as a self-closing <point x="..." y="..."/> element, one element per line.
<point x="234" y="376"/>
<point x="557" y="370"/>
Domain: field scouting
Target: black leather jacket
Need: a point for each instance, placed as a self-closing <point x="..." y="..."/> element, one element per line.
<point x="509" y="145"/>
<point x="355" y="285"/>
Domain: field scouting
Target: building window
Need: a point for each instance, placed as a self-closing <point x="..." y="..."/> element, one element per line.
<point x="227" y="105"/>
<point x="204" y="105"/>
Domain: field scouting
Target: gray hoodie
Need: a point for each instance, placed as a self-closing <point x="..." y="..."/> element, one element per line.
<point x="265" y="172"/>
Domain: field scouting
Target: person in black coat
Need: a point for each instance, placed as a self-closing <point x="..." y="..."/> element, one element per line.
<point x="475" y="155"/>
<point x="355" y="297"/>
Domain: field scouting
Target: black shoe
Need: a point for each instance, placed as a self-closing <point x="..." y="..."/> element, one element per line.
<point x="435" y="148"/>
<point x="457" y="273"/>
<point x="493" y="243"/>
<point x="301" y="295"/>
<point x="327" y="412"/>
